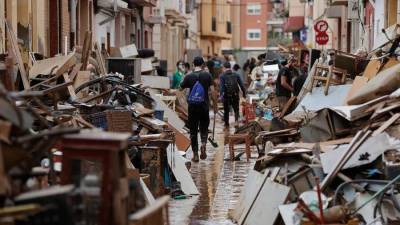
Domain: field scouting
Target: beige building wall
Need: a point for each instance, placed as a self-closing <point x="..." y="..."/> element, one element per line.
<point x="40" y="27"/>
<point x="212" y="39"/>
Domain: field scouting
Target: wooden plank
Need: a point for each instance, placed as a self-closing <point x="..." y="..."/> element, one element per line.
<point x="181" y="173"/>
<point x="71" y="89"/>
<point x="372" y="69"/>
<point x="265" y="208"/>
<point x="100" y="60"/>
<point x="56" y="65"/>
<point x="87" y="44"/>
<point x="358" y="82"/>
<point x="82" y="77"/>
<point x="386" y="124"/>
<point x="74" y="71"/>
<point x="14" y="45"/>
<point x="182" y="142"/>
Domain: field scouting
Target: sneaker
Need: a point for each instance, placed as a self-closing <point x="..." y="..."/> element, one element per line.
<point x="203" y="154"/>
<point x="195" y="157"/>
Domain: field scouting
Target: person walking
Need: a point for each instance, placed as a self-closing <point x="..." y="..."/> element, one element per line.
<point x="199" y="83"/>
<point x="229" y="92"/>
<point x="178" y="75"/>
<point x="284" y="87"/>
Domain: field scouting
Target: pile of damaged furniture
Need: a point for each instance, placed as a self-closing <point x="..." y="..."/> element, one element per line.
<point x="335" y="158"/>
<point x="81" y="143"/>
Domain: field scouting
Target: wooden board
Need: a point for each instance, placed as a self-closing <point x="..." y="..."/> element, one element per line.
<point x="155" y="82"/>
<point x="62" y="64"/>
<point x="358" y="82"/>
<point x="182" y="141"/>
<point x="372" y="69"/>
<point x="100" y="60"/>
<point x="87" y="45"/>
<point x="386" y="124"/>
<point x="12" y="38"/>
<point x="71" y="89"/>
<point x="181" y="173"/>
<point x="82" y="77"/>
<point x="265" y="209"/>
<point x="384" y="83"/>
<point x="251" y="187"/>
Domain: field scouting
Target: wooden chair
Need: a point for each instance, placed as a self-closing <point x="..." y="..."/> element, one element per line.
<point x="154" y="214"/>
<point x="330" y="70"/>
<point x="234" y="139"/>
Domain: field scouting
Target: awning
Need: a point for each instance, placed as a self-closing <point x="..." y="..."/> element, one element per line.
<point x="294" y="23"/>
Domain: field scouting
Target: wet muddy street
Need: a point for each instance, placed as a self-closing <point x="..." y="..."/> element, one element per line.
<point x="219" y="182"/>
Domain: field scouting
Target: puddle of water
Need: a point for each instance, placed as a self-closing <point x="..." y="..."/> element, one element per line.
<point x="219" y="183"/>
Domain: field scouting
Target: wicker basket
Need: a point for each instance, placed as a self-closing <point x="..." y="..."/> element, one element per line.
<point x="113" y="120"/>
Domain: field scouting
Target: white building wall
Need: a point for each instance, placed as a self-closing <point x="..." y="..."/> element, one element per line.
<point x="379" y="23"/>
<point x="101" y="30"/>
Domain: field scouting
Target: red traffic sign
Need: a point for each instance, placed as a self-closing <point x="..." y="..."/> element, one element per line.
<point x="321" y="26"/>
<point x="322" y="38"/>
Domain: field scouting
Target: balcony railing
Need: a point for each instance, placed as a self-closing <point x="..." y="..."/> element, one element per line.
<point x="214" y="24"/>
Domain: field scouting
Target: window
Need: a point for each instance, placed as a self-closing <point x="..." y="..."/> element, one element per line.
<point x="253" y="34"/>
<point x="253" y="9"/>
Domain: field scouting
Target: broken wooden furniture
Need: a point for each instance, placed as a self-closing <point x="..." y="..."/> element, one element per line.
<point x="325" y="74"/>
<point x="239" y="138"/>
<point x="95" y="160"/>
<point x="169" y="100"/>
<point x="55" y="205"/>
<point x="155" y="214"/>
<point x="279" y="136"/>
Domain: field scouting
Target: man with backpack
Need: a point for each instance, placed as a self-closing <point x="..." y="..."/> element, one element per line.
<point x="199" y="83"/>
<point x="229" y="92"/>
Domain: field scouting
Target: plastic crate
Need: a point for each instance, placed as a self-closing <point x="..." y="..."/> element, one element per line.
<point x="113" y="120"/>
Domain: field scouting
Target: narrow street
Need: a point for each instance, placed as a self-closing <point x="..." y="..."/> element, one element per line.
<point x="219" y="181"/>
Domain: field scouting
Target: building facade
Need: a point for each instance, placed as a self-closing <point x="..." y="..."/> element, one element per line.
<point x="215" y="26"/>
<point x="253" y="27"/>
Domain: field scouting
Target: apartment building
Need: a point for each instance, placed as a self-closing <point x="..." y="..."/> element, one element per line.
<point x="253" y="18"/>
<point x="216" y="26"/>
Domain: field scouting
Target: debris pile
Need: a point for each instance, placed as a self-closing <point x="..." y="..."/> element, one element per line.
<point x="333" y="158"/>
<point x="83" y="143"/>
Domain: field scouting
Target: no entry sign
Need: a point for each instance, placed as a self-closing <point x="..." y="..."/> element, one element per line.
<point x="321" y="26"/>
<point x="322" y="38"/>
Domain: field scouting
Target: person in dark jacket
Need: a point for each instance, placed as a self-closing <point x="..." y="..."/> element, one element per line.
<point x="199" y="117"/>
<point x="229" y="92"/>
<point x="284" y="86"/>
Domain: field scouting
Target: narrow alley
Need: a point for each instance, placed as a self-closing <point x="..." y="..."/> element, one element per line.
<point x="219" y="181"/>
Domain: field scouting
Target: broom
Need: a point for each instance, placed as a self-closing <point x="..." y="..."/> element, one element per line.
<point x="212" y="140"/>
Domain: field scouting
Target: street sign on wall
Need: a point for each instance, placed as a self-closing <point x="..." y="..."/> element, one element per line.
<point x="321" y="26"/>
<point x="321" y="37"/>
